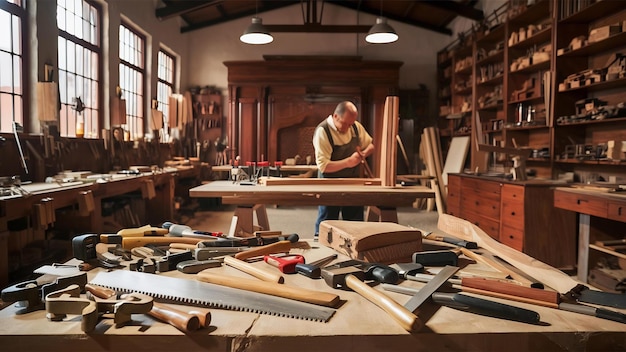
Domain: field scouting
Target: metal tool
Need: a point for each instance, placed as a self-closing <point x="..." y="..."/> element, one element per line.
<point x="474" y="305"/>
<point x="68" y="301"/>
<point x="372" y="271"/>
<point x="209" y="295"/>
<point x="352" y="278"/>
<point x="430" y="287"/>
<point x="30" y="294"/>
<point x="313" y="269"/>
<point x="436" y="258"/>
<point x="196" y="266"/>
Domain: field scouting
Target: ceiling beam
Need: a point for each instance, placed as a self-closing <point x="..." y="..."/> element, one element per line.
<point x="457" y="8"/>
<point x="376" y="12"/>
<point x="182" y="7"/>
<point x="263" y="7"/>
<point x="316" y="28"/>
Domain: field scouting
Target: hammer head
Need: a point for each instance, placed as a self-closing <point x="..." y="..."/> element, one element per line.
<point x="336" y="277"/>
<point x="408" y="269"/>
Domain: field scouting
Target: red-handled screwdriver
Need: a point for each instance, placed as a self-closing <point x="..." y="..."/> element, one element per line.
<point x="286" y="264"/>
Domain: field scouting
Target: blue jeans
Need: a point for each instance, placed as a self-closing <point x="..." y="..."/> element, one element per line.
<point x="353" y="213"/>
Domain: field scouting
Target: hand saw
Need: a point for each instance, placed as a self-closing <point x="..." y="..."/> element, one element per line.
<point x="198" y="293"/>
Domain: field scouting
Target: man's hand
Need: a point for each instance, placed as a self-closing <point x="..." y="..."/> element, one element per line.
<point x="354" y="159"/>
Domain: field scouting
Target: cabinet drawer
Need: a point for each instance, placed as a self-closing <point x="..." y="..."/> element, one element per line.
<point x="617" y="211"/>
<point x="512" y="237"/>
<point x="581" y="203"/>
<point x="487" y="189"/>
<point x="480" y="205"/>
<point x="490" y="226"/>
<point x="512" y="213"/>
<point x="454" y="210"/>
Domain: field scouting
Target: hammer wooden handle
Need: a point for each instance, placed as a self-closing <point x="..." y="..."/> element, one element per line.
<point x="182" y="320"/>
<point x="276" y="247"/>
<point x="272" y="288"/>
<point x="408" y="320"/>
<point x="253" y="270"/>
<point x="132" y="242"/>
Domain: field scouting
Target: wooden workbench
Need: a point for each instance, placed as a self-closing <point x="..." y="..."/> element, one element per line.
<point x="252" y="198"/>
<point x="357" y="325"/>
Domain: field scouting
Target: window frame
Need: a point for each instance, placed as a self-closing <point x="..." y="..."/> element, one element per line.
<point x="18" y="8"/>
<point x="71" y="116"/>
<point x="164" y="104"/>
<point x="142" y="70"/>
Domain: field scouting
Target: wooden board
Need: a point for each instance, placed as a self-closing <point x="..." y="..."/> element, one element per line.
<point x="455" y="159"/>
<point x="274" y="181"/>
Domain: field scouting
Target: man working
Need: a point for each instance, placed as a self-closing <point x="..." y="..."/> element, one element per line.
<point x="341" y="143"/>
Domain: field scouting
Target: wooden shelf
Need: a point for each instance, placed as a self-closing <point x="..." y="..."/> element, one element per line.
<point x="616" y="83"/>
<point x="609" y="43"/>
<point x="593" y="122"/>
<point x="532" y="68"/>
<point x="497" y="57"/>
<point x="492" y="107"/>
<point x="594" y="11"/>
<point x="607" y="250"/>
<point x="533" y="14"/>
<point x="541" y="36"/>
<point x="494" y="81"/>
<point x="526" y="128"/>
<point x="527" y="100"/>
<point x="495" y="35"/>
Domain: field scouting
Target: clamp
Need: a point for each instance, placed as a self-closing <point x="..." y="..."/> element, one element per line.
<point x="68" y="301"/>
<point x="30" y="294"/>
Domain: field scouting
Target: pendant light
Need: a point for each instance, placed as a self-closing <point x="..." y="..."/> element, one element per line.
<point x="381" y="32"/>
<point x="256" y="33"/>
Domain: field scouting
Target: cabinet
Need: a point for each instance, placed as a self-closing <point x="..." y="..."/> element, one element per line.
<point x="518" y="214"/>
<point x="561" y="93"/>
<point x="208" y="114"/>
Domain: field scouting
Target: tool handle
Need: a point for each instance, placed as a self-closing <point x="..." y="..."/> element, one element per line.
<point x="132" y="242"/>
<point x="286" y="265"/>
<point x="486" y="307"/>
<point x="403" y="316"/>
<point x="142" y="231"/>
<point x="309" y="270"/>
<point x="204" y="316"/>
<point x="511" y="289"/>
<point x="99" y="291"/>
<point x="181" y="320"/>
<point x="272" y="288"/>
<point x="253" y="270"/>
<point x="278" y="247"/>
<point x="499" y="267"/>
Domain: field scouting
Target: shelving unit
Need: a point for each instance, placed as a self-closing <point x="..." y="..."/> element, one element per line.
<point x="540" y="60"/>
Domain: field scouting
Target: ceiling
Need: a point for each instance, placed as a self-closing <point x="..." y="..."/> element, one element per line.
<point x="433" y="15"/>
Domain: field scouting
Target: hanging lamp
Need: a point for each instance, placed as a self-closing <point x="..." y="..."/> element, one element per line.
<point x="256" y="33"/>
<point x="381" y="33"/>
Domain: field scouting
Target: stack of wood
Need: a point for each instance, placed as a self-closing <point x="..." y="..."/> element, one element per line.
<point x="389" y="151"/>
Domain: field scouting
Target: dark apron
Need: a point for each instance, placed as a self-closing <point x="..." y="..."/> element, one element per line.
<point x="341" y="152"/>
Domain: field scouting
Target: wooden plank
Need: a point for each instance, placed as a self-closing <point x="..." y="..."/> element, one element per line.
<point x="389" y="143"/>
<point x="545" y="273"/>
<point x="274" y="181"/>
<point x="455" y="159"/>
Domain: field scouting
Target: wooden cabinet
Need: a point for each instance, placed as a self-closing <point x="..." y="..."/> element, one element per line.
<point x="518" y="214"/>
<point x="563" y="96"/>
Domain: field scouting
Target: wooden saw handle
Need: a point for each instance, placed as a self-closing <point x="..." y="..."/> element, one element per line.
<point x="406" y="318"/>
<point x="132" y="242"/>
<point x="276" y="247"/>
<point x="253" y="270"/>
<point x="181" y="320"/>
<point x="272" y="288"/>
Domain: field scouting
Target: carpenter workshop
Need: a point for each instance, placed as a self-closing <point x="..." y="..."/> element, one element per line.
<point x="313" y="175"/>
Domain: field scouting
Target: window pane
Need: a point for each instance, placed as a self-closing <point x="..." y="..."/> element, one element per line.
<point x="17" y="35"/>
<point x="17" y="75"/>
<point x="5" y="30"/>
<point x="6" y="73"/>
<point x="62" y="54"/>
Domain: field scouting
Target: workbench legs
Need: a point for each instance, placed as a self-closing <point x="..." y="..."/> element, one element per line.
<point x="380" y="214"/>
<point x="584" y="228"/>
<point x="245" y="214"/>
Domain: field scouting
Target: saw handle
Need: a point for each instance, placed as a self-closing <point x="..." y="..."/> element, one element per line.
<point x="408" y="320"/>
<point x="277" y="247"/>
<point x="181" y="320"/>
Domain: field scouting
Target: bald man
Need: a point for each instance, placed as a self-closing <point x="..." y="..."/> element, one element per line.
<point x="341" y="143"/>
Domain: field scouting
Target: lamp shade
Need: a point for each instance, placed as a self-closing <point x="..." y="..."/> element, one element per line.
<point x="381" y="33"/>
<point x="256" y="33"/>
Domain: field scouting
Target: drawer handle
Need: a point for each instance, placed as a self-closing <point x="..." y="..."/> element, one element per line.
<point x="476" y="203"/>
<point x="619" y="211"/>
<point x="511" y="236"/>
<point x="513" y="213"/>
<point x="578" y="201"/>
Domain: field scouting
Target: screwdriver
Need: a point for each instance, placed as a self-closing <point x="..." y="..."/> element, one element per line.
<point x="313" y="269"/>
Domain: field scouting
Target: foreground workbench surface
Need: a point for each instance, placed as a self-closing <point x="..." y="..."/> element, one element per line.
<point x="357" y="325"/>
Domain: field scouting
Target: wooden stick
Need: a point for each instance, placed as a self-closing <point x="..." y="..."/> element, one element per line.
<point x="253" y="270"/>
<point x="492" y="263"/>
<point x="272" y="288"/>
<point x="181" y="320"/>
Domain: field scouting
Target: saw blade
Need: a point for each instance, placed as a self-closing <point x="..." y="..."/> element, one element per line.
<point x="204" y="294"/>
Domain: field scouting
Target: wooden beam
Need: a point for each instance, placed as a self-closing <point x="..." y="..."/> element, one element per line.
<point x="458" y="9"/>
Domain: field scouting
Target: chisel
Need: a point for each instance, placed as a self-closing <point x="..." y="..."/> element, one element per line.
<point x="313" y="269"/>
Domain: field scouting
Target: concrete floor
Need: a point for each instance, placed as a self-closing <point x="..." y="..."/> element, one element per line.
<point x="300" y="220"/>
